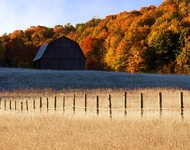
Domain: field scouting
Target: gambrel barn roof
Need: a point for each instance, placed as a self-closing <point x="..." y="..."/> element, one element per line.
<point x="41" y="52"/>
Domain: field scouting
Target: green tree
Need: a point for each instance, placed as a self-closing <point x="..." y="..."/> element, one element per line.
<point x="149" y="56"/>
<point x="183" y="59"/>
<point x="165" y="42"/>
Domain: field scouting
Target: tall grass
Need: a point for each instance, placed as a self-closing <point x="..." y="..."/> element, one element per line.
<point x="42" y="131"/>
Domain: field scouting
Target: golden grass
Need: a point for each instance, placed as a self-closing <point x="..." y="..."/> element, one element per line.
<point x="55" y="130"/>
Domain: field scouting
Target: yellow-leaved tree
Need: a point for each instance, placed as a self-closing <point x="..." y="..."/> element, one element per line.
<point x="135" y="60"/>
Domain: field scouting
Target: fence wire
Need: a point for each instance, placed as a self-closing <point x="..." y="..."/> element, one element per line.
<point x="96" y="105"/>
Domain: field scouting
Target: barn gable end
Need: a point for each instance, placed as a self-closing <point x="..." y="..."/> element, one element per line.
<point x="61" y="54"/>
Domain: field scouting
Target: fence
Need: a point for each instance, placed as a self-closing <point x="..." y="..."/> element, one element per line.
<point x="44" y="105"/>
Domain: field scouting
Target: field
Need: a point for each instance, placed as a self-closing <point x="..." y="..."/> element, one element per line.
<point x="14" y="79"/>
<point x="53" y="132"/>
<point x="35" y="130"/>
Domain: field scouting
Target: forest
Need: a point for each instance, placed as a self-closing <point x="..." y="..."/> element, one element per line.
<point x="149" y="40"/>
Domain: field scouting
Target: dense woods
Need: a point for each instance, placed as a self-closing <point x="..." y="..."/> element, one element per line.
<point x="152" y="39"/>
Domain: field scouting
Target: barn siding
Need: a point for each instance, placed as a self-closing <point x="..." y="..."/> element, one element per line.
<point x="63" y="64"/>
<point x="63" y="52"/>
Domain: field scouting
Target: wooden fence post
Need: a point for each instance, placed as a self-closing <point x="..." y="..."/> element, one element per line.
<point x="97" y="105"/>
<point x="10" y="104"/>
<point x="125" y="104"/>
<point x="63" y="104"/>
<point x="21" y="106"/>
<point x="40" y="104"/>
<point x="5" y="104"/>
<point x="110" y="105"/>
<point x="27" y="105"/>
<point x="47" y="105"/>
<point x="141" y="100"/>
<point x="55" y="103"/>
<point x="160" y="104"/>
<point x="74" y="103"/>
<point x="181" y="102"/>
<point x="85" y="103"/>
<point x="34" y="104"/>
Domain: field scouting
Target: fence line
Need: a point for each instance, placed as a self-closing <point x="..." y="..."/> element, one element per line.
<point x="97" y="107"/>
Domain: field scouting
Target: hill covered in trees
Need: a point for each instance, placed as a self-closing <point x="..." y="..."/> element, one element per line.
<point x="152" y="39"/>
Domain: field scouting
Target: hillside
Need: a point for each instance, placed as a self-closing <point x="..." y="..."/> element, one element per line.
<point x="14" y="79"/>
<point x="152" y="39"/>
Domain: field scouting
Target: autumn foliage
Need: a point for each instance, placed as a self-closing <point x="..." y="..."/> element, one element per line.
<point x="153" y="39"/>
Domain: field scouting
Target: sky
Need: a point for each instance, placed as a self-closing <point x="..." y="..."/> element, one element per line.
<point x="21" y="14"/>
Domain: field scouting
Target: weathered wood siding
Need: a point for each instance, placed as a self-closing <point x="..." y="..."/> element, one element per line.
<point x="63" y="64"/>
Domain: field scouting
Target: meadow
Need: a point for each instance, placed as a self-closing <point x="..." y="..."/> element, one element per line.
<point x="14" y="79"/>
<point x="58" y="130"/>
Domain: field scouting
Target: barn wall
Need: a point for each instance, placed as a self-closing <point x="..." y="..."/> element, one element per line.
<point x="63" y="52"/>
<point x="63" y="64"/>
<point x="37" y="64"/>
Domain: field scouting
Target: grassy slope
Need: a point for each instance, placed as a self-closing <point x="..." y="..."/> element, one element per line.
<point x="25" y="79"/>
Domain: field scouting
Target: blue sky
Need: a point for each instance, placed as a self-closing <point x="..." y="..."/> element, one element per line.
<point x="21" y="14"/>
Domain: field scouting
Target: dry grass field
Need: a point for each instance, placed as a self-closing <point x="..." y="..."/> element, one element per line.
<point x="58" y="130"/>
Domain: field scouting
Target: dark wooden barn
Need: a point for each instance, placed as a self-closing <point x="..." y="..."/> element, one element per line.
<point x="61" y="54"/>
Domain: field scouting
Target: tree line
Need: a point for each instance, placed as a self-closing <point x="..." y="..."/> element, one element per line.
<point x="152" y="39"/>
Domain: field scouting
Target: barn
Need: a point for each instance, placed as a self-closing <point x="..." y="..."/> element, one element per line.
<point x="60" y="54"/>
